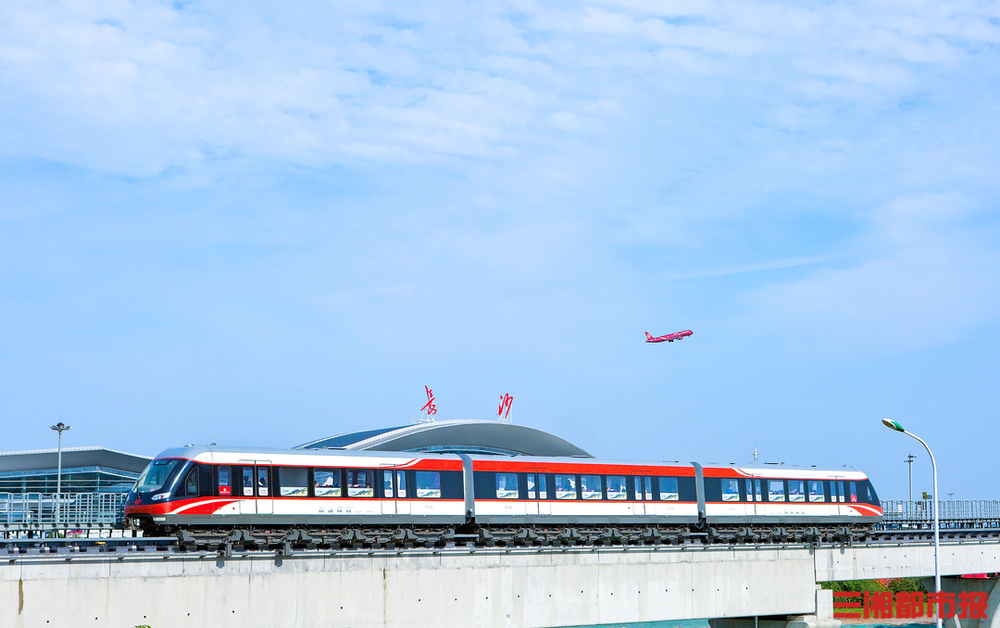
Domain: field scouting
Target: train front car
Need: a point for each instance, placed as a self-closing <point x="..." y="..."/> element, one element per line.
<point x="201" y="489"/>
<point x="159" y="488"/>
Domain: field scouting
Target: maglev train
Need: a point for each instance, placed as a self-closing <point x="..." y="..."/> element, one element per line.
<point x="218" y="488"/>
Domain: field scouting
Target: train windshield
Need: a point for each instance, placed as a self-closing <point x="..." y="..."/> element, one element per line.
<point x="155" y="477"/>
<point x="871" y="494"/>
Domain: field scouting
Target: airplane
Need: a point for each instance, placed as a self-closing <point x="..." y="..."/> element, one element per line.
<point x="669" y="337"/>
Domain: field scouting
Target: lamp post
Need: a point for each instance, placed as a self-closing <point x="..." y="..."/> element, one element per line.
<point x="893" y="425"/>
<point x="59" y="427"/>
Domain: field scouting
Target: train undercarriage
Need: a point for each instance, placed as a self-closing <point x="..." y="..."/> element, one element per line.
<point x="293" y="538"/>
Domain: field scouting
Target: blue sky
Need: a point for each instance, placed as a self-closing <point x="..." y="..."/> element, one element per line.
<point x="260" y="224"/>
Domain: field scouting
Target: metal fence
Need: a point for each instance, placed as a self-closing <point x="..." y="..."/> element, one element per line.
<point x="958" y="513"/>
<point x="44" y="509"/>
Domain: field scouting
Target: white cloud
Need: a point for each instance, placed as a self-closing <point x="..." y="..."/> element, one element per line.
<point x="926" y="280"/>
<point x="140" y="87"/>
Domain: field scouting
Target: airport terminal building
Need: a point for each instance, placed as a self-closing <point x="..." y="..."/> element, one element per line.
<point x="95" y="480"/>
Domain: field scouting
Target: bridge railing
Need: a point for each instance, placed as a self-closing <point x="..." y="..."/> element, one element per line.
<point x="957" y="513"/>
<point x="66" y="509"/>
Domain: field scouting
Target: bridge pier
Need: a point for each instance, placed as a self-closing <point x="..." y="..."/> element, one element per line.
<point x="822" y="618"/>
<point x="990" y="586"/>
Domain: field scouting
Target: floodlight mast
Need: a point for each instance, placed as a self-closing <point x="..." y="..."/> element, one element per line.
<point x="894" y="425"/>
<point x="59" y="427"/>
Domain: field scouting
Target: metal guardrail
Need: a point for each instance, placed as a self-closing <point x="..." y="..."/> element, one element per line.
<point x="958" y="513"/>
<point x="66" y="509"/>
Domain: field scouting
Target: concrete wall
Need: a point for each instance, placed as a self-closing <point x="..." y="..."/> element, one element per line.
<point x="487" y="588"/>
<point x="494" y="587"/>
<point x="905" y="560"/>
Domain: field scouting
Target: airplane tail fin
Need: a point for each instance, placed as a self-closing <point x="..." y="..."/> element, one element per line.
<point x="648" y="337"/>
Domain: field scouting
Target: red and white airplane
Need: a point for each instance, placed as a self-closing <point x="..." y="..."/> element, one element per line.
<point x="669" y="337"/>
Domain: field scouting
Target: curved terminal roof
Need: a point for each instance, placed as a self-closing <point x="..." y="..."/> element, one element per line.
<point x="47" y="459"/>
<point x="474" y="437"/>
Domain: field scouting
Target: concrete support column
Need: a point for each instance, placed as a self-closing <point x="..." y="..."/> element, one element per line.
<point x="990" y="586"/>
<point x="822" y="618"/>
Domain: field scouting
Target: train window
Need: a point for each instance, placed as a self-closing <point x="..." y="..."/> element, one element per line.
<point x="668" y="489"/>
<point x="854" y="492"/>
<point x="224" y="480"/>
<point x="816" y="491"/>
<point x="840" y="491"/>
<point x="191" y="483"/>
<point x="262" y="483"/>
<point x="758" y="494"/>
<point x="648" y="481"/>
<point x="617" y="489"/>
<point x="531" y="486"/>
<point x="360" y="483"/>
<point x="386" y="483"/>
<point x="400" y="483"/>
<point x="590" y="486"/>
<point x="796" y="491"/>
<point x="326" y="482"/>
<point x="565" y="486"/>
<point x="428" y="484"/>
<point x="248" y="481"/>
<point x="749" y="490"/>
<point x="542" y="493"/>
<point x="293" y="481"/>
<point x="730" y="490"/>
<point x="507" y="486"/>
<point x="775" y="490"/>
<point x="638" y="487"/>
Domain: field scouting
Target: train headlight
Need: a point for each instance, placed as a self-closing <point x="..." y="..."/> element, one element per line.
<point x="160" y="497"/>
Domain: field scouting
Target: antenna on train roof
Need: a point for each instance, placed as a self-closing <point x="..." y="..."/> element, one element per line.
<point x="755" y="448"/>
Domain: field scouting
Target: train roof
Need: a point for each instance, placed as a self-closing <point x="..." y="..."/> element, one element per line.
<point x="258" y="453"/>
<point x="192" y="451"/>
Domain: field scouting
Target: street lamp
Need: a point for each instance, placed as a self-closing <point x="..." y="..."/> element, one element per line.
<point x="893" y="425"/>
<point x="59" y="427"/>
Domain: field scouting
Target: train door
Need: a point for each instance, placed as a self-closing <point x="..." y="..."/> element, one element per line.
<point x="544" y="505"/>
<point x="531" y="507"/>
<point x="639" y="505"/>
<point x="255" y="487"/>
<point x="264" y="494"/>
<point x="836" y="496"/>
<point x="402" y="497"/>
<point x="248" y="492"/>
<point x="756" y="495"/>
<point x="387" y="493"/>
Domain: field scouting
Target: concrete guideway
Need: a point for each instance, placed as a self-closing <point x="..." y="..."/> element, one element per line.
<point x="461" y="587"/>
<point x="494" y="587"/>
